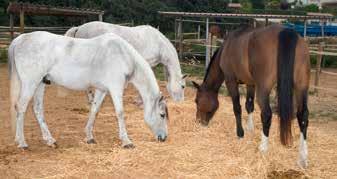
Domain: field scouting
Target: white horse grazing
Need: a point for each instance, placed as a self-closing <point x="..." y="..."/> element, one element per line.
<point x="106" y="63"/>
<point x="149" y="42"/>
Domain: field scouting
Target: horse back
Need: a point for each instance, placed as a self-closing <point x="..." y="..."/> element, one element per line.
<point x="263" y="49"/>
<point x="234" y="58"/>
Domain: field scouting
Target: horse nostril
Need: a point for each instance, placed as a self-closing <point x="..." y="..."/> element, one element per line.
<point x="161" y="139"/>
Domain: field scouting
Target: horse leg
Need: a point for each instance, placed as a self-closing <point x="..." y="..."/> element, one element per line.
<point x="233" y="90"/>
<point x="26" y="93"/>
<point x="250" y="107"/>
<point x="38" y="110"/>
<point x="302" y="117"/>
<point x="90" y="95"/>
<point x="117" y="98"/>
<point x="266" y="115"/>
<point x="95" y="106"/>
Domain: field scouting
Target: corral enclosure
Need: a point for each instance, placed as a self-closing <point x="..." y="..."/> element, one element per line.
<point x="191" y="151"/>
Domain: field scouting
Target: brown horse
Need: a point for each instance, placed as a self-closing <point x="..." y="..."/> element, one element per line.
<point x="260" y="58"/>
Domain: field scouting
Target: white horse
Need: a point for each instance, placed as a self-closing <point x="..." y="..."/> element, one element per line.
<point x="149" y="42"/>
<point x="106" y="63"/>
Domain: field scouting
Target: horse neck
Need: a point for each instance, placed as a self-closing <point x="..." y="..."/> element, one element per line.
<point x="169" y="58"/>
<point x="214" y="77"/>
<point x="145" y="82"/>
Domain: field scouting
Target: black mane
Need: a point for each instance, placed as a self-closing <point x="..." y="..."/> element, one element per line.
<point x="236" y="33"/>
<point x="212" y="60"/>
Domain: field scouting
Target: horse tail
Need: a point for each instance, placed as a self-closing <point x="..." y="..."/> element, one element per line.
<point x="15" y="85"/>
<point x="285" y="82"/>
<point x="71" y="32"/>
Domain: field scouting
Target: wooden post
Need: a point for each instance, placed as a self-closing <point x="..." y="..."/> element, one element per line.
<point x="213" y="44"/>
<point x="181" y="38"/>
<point x="100" y="17"/>
<point x="198" y="32"/>
<point x="175" y="34"/>
<point x="208" y="42"/>
<point x="11" y="25"/>
<point x="22" y="21"/>
<point x="254" y="23"/>
<point x="318" y="65"/>
<point x="266" y="24"/>
<point x="83" y="20"/>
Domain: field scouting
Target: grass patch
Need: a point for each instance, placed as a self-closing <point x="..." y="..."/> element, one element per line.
<point x="193" y="70"/>
<point x="186" y="69"/>
<point x="3" y="55"/>
<point x="159" y="72"/>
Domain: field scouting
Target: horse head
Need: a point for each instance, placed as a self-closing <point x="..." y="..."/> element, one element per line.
<point x="207" y="104"/>
<point x="176" y="88"/>
<point x="157" y="121"/>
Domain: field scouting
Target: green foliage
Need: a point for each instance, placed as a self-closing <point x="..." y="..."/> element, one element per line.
<point x="3" y="55"/>
<point x="311" y="8"/>
<point x="258" y="4"/>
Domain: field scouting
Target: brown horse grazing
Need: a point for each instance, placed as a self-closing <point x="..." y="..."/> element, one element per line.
<point x="260" y="58"/>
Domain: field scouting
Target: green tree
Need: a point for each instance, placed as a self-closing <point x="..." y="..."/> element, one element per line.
<point x="258" y="4"/>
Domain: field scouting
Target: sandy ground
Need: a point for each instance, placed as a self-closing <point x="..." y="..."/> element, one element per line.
<point x="191" y="151"/>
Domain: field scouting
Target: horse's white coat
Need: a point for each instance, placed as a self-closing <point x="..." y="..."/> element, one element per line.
<point x="149" y="42"/>
<point x="250" y="122"/>
<point x="38" y="110"/>
<point x="106" y="63"/>
<point x="264" y="143"/>
<point x="303" y="152"/>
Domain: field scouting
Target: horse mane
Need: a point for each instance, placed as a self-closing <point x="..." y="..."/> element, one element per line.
<point x="212" y="60"/>
<point x="236" y="33"/>
<point x="241" y="31"/>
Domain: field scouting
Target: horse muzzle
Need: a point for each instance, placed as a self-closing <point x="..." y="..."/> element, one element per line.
<point x="161" y="138"/>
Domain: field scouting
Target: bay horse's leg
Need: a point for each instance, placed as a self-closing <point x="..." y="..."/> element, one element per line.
<point x="250" y="107"/>
<point x="26" y="93"/>
<point x="266" y="115"/>
<point x="38" y="110"/>
<point x="117" y="98"/>
<point x="233" y="90"/>
<point x="302" y="117"/>
<point x="95" y="106"/>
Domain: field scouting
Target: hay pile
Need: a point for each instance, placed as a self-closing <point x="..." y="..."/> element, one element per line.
<point x="191" y="151"/>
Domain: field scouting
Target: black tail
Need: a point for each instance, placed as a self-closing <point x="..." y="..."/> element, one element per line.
<point x="285" y="81"/>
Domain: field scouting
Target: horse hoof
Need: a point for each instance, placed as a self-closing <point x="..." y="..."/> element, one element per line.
<point x="129" y="146"/>
<point x="302" y="163"/>
<point x="91" y="141"/>
<point x="240" y="133"/>
<point x="263" y="148"/>
<point x="54" y="145"/>
<point x="24" y="148"/>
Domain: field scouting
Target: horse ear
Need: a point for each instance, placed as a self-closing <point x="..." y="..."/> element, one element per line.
<point x="184" y="76"/>
<point x="161" y="99"/>
<point x="196" y="85"/>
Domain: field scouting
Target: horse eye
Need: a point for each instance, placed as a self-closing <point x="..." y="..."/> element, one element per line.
<point x="182" y="86"/>
<point x="162" y="115"/>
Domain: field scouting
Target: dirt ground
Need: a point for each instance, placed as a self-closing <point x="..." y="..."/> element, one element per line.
<point x="191" y="151"/>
